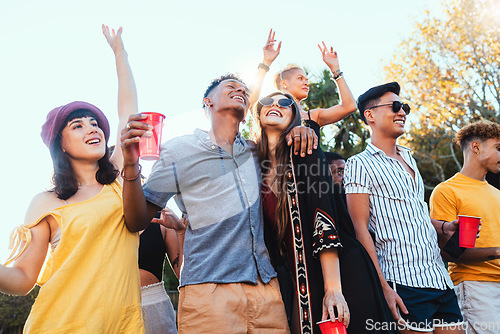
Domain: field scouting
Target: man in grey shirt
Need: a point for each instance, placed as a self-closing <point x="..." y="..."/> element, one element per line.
<point x="227" y="280"/>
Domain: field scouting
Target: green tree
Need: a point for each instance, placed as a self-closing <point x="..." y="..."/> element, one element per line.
<point x="170" y="281"/>
<point x="348" y="136"/>
<point x="449" y="70"/>
<point x="14" y="310"/>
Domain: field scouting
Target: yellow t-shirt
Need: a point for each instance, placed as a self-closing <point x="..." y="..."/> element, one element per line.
<point x="461" y="195"/>
<point x="90" y="283"/>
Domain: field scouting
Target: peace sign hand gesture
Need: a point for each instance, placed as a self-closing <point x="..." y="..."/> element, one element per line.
<point x="329" y="57"/>
<point x="270" y="53"/>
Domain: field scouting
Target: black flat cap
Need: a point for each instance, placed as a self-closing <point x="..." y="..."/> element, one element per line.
<point x="375" y="93"/>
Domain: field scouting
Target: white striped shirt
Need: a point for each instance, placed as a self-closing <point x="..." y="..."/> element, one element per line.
<point x="405" y="239"/>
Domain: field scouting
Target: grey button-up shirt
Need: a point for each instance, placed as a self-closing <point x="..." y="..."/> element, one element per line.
<point x="220" y="194"/>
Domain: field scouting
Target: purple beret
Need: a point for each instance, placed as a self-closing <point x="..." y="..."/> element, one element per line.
<point x="57" y="116"/>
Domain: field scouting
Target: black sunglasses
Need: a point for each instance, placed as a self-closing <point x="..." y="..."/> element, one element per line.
<point x="268" y="101"/>
<point x="396" y="106"/>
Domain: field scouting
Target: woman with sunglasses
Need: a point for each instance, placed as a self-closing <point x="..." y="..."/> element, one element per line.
<point x="293" y="80"/>
<point x="90" y="281"/>
<point x="302" y="220"/>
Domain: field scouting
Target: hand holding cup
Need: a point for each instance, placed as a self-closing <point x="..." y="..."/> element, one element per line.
<point x="131" y="135"/>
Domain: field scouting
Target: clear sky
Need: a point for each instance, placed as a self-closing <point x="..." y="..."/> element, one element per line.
<point x="53" y="52"/>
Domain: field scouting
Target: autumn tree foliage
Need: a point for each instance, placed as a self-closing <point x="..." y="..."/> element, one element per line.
<point x="449" y="70"/>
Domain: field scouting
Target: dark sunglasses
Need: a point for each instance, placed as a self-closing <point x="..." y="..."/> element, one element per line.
<point x="396" y="106"/>
<point x="268" y="101"/>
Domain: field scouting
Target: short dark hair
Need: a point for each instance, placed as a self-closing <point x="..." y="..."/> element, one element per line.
<point x="369" y="98"/>
<point x="216" y="82"/>
<point x="332" y="156"/>
<point x="482" y="130"/>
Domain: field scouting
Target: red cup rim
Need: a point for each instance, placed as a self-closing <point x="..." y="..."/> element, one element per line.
<point x="153" y="113"/>
<point x="469" y="216"/>
<point x="327" y="320"/>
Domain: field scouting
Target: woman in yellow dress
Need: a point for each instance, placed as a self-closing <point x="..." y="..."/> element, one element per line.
<point x="90" y="281"/>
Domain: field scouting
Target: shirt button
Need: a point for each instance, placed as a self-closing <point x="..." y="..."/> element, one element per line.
<point x="213" y="147"/>
<point x="250" y="203"/>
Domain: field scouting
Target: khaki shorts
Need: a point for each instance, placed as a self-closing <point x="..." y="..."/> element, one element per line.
<point x="480" y="305"/>
<point x="232" y="308"/>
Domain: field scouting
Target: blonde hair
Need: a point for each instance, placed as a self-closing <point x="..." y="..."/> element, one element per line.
<point x="285" y="74"/>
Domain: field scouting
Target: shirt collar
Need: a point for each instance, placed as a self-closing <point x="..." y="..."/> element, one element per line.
<point x="204" y="137"/>
<point x="372" y="149"/>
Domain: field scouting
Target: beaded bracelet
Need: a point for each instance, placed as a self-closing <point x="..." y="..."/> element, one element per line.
<point x="337" y="75"/>
<point x="132" y="178"/>
<point x="263" y="66"/>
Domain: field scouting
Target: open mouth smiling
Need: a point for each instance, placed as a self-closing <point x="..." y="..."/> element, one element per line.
<point x="239" y="98"/>
<point x="93" y="141"/>
<point x="274" y="112"/>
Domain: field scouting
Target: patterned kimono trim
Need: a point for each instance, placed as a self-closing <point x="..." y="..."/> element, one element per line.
<point x="303" y="297"/>
<point x="324" y="228"/>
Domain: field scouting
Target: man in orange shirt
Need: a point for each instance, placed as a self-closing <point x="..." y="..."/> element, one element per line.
<point x="476" y="272"/>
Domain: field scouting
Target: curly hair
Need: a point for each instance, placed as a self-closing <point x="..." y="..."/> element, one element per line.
<point x="482" y="130"/>
<point x="216" y="82"/>
<point x="285" y="74"/>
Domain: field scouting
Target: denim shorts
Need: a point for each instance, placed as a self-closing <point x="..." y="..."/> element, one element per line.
<point x="429" y="308"/>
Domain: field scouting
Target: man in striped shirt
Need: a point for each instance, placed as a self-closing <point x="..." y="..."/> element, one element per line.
<point x="385" y="196"/>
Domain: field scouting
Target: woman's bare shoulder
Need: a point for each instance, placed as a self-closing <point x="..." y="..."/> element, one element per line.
<point x="41" y="204"/>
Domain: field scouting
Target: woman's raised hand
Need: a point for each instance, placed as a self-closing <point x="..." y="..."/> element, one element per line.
<point x="329" y="57"/>
<point x="270" y="53"/>
<point x="114" y="39"/>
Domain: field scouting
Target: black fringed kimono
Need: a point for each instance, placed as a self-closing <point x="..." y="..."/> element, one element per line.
<point x="312" y="228"/>
<point x="319" y="220"/>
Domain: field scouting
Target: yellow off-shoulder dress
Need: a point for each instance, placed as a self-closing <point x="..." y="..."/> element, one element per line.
<point x="90" y="282"/>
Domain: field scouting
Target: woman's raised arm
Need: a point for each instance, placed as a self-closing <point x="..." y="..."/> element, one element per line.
<point x="127" y="92"/>
<point x="347" y="103"/>
<point x="270" y="54"/>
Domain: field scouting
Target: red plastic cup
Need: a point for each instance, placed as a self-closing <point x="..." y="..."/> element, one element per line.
<point x="332" y="327"/>
<point x="468" y="227"/>
<point x="149" y="147"/>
